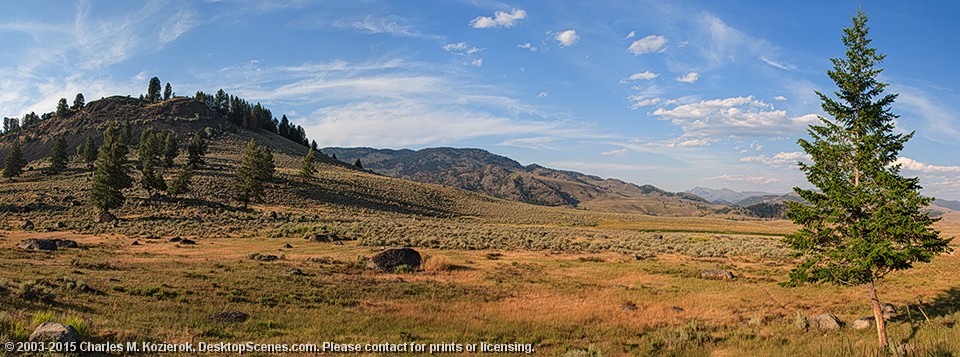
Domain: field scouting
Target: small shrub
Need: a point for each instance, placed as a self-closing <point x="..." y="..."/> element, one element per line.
<point x="403" y="269"/>
<point x="13" y="330"/>
<point x="436" y="263"/>
<point x="35" y="291"/>
<point x="81" y="325"/>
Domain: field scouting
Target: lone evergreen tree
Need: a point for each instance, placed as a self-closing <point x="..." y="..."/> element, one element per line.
<point x="195" y="150"/>
<point x="358" y="164"/>
<point x="111" y="175"/>
<point x="256" y="169"/>
<point x="864" y="220"/>
<point x="153" y="90"/>
<point x="78" y="102"/>
<point x="14" y="163"/>
<point x="58" y="159"/>
<point x="62" y="108"/>
<point x="308" y="165"/>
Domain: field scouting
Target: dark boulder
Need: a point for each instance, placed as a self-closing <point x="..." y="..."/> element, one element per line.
<point x="66" y="243"/>
<point x="27" y="225"/>
<point x="324" y="237"/>
<point x="390" y="259"/>
<point x="38" y="244"/>
<point x="187" y="242"/>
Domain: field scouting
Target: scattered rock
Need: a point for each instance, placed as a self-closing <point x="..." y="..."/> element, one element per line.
<point x="55" y="332"/>
<point x="677" y="309"/>
<point x="295" y="271"/>
<point x="263" y="257"/>
<point x="390" y="259"/>
<point x="229" y="317"/>
<point x="135" y="243"/>
<point x="270" y="215"/>
<point x="37" y="244"/>
<point x="825" y="322"/>
<point x="66" y="243"/>
<point x="175" y="239"/>
<point x="862" y="323"/>
<point x="27" y="225"/>
<point x="325" y="237"/>
<point x="106" y="217"/>
<point x="717" y="274"/>
<point x="75" y="203"/>
<point x="187" y="242"/>
<point x="288" y="246"/>
<point x="59" y="225"/>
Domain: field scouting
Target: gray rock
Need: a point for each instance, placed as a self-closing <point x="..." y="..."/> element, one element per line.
<point x="295" y="272"/>
<point x="390" y="259"/>
<point x="27" y="225"/>
<point x="54" y="332"/>
<point x="717" y="274"/>
<point x="263" y="257"/>
<point x="825" y="322"/>
<point x="106" y="217"/>
<point x="38" y="244"/>
<point x="862" y="323"/>
<point x="324" y="237"/>
<point x="187" y="242"/>
<point x="288" y="246"/>
<point x="66" y="243"/>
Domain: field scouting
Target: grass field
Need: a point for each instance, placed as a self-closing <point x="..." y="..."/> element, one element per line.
<point x="571" y="283"/>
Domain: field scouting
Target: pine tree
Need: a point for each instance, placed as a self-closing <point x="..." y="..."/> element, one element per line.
<point x="195" y="151"/>
<point x="111" y="175"/>
<point x="149" y="153"/>
<point x="62" y="108"/>
<point x="170" y="148"/>
<point x="313" y="145"/>
<point x="167" y="92"/>
<point x="256" y="169"/>
<point x="89" y="151"/>
<point x="14" y="163"/>
<point x="358" y="164"/>
<point x="58" y="159"/>
<point x="153" y="90"/>
<point x="864" y="220"/>
<point x="308" y="166"/>
<point x="181" y="183"/>
<point x="78" y="102"/>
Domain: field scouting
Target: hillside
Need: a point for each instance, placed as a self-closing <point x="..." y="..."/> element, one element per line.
<point x="483" y="172"/>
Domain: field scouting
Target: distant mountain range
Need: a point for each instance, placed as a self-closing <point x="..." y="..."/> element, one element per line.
<point x="741" y="198"/>
<point x="499" y="176"/>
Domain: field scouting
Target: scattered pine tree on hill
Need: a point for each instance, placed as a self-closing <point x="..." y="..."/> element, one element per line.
<point x="195" y="150"/>
<point x="58" y="159"/>
<point x="111" y="175"/>
<point x="14" y="163"/>
<point x="62" y="108"/>
<point x="153" y="90"/>
<point x="181" y="183"/>
<point x="78" y="102"/>
<point x="255" y="170"/>
<point x="308" y="166"/>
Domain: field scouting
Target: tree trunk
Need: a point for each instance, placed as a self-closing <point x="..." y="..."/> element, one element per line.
<point x="878" y="315"/>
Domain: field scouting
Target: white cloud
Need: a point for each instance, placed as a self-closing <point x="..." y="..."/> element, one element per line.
<point x="630" y="35"/>
<point x="651" y="43"/>
<point x="934" y="120"/>
<point x="689" y="77"/>
<point x="477" y="62"/>
<point x="567" y="38"/>
<point x="460" y="49"/>
<point x="542" y="94"/>
<point x="617" y="152"/>
<point x="737" y="117"/>
<point x="500" y="18"/>
<point x="527" y="46"/>
<point x="779" y="159"/>
<point x="780" y="98"/>
<point x="645" y="75"/>
<point x="916" y="166"/>
<point x="183" y="21"/>
<point x="640" y="101"/>
<point x="757" y="180"/>
<point x="780" y="65"/>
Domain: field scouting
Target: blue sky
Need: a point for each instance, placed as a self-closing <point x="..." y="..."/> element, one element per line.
<point x="672" y="93"/>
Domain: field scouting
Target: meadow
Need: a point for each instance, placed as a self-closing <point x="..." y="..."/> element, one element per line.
<point x="569" y="282"/>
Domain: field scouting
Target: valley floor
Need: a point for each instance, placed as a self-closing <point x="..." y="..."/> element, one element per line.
<point x="562" y="303"/>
